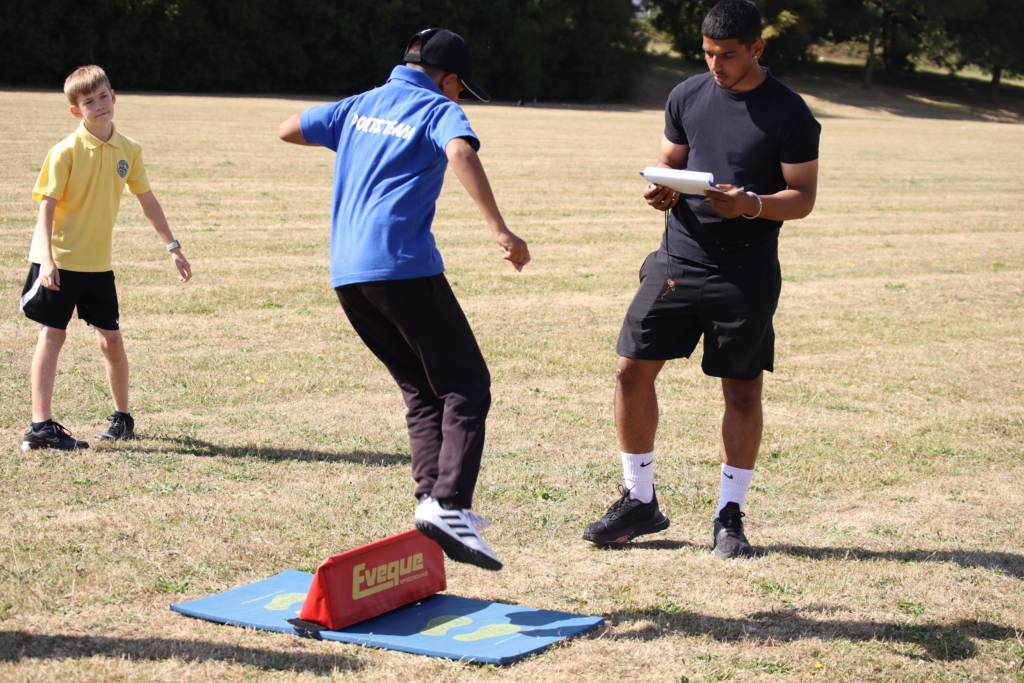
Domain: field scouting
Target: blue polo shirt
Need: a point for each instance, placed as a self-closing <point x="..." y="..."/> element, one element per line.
<point x="388" y="172"/>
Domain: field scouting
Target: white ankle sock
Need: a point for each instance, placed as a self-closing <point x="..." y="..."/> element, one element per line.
<point x="638" y="471"/>
<point x="735" y="483"/>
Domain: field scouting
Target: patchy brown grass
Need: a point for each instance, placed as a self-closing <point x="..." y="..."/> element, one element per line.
<point x="886" y="503"/>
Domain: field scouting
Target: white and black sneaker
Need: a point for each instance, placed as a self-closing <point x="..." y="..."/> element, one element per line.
<point x="456" y="531"/>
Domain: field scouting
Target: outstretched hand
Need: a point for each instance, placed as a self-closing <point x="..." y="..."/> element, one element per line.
<point x="182" y="264"/>
<point x="514" y="249"/>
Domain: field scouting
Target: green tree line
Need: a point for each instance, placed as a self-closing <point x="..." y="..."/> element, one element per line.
<point x="553" y="50"/>
<point x="896" y="33"/>
<point x="572" y="50"/>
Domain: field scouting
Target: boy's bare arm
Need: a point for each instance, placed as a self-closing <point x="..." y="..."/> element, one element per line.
<point x="48" y="275"/>
<point x="470" y="172"/>
<point x="155" y="214"/>
<point x="291" y="131"/>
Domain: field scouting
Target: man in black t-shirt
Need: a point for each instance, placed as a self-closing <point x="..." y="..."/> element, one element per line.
<point x="717" y="273"/>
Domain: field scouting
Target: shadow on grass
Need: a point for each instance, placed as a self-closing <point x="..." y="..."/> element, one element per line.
<point x="945" y="642"/>
<point x="189" y="446"/>
<point x="662" y="544"/>
<point x="1009" y="563"/>
<point x="917" y="95"/>
<point x="16" y="646"/>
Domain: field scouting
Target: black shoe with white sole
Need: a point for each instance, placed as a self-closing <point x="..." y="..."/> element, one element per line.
<point x="53" y="436"/>
<point x="122" y="428"/>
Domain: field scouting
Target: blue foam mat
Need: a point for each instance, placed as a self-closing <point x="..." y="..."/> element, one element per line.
<point x="442" y="626"/>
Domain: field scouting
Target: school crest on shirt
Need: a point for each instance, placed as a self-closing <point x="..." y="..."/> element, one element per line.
<point x="122" y="168"/>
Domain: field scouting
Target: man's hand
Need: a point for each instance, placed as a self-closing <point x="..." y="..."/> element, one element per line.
<point x="670" y="155"/>
<point x="514" y="249"/>
<point x="48" y="275"/>
<point x="733" y="201"/>
<point x="660" y="197"/>
<point x="182" y="264"/>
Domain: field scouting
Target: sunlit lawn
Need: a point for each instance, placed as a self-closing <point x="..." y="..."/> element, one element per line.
<point x="886" y="503"/>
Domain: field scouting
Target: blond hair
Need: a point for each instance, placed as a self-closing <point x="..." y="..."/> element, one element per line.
<point x="84" y="80"/>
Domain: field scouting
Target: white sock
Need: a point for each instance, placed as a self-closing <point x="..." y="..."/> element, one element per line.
<point x="638" y="471"/>
<point x="735" y="483"/>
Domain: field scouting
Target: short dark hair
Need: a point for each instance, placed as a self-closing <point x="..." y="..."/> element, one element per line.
<point x="739" y="19"/>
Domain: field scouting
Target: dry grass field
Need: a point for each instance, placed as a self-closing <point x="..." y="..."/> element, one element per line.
<point x="887" y="503"/>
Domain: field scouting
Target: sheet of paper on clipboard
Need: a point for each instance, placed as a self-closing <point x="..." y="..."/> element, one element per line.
<point x="692" y="183"/>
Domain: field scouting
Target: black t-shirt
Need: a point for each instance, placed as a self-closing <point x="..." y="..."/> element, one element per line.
<point x="741" y="138"/>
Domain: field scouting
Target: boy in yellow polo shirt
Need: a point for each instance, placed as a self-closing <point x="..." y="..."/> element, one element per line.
<point x="79" y="194"/>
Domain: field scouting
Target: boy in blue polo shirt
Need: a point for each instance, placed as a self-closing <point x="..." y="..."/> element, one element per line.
<point x="393" y="145"/>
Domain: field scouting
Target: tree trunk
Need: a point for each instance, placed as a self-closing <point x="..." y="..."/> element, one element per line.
<point x="993" y="87"/>
<point x="869" y="66"/>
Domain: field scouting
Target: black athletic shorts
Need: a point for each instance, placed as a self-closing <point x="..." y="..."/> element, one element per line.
<point x="733" y="310"/>
<point x="93" y="293"/>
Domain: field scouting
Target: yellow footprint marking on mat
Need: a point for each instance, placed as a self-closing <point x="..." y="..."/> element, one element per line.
<point x="284" y="601"/>
<point x="438" y="626"/>
<point x="489" y="631"/>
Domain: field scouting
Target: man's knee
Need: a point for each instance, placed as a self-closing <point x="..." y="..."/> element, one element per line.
<point x="632" y="374"/>
<point x="744" y="395"/>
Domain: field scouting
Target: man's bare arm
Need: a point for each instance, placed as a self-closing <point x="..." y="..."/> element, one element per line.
<point x="796" y="201"/>
<point x="290" y="130"/>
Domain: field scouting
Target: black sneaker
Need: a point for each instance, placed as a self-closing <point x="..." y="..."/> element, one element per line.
<point x="626" y="519"/>
<point x="727" y="540"/>
<point x="53" y="436"/>
<point x="122" y="428"/>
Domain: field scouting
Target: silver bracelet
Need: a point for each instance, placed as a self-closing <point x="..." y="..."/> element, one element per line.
<point x="760" y="206"/>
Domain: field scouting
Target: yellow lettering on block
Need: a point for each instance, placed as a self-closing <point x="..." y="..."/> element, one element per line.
<point x="384" y="576"/>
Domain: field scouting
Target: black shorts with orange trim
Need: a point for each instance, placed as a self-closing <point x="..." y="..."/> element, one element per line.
<point x="731" y="309"/>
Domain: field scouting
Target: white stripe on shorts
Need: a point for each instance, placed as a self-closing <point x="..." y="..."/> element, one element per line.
<point x="30" y="293"/>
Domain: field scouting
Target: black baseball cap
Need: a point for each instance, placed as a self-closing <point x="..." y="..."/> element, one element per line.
<point x="443" y="49"/>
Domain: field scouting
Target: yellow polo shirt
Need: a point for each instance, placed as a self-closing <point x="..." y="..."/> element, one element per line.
<point x="87" y="176"/>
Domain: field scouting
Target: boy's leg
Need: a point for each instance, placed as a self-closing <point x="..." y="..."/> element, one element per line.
<point x="417" y="329"/>
<point x="425" y="409"/>
<point x="44" y="371"/>
<point x="51" y="308"/>
<point x="112" y="345"/>
<point x="98" y="306"/>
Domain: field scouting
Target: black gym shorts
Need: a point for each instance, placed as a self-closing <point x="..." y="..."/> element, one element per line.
<point x="733" y="310"/>
<point x="93" y="293"/>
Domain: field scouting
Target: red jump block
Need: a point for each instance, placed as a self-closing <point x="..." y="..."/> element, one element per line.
<point x="374" y="579"/>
